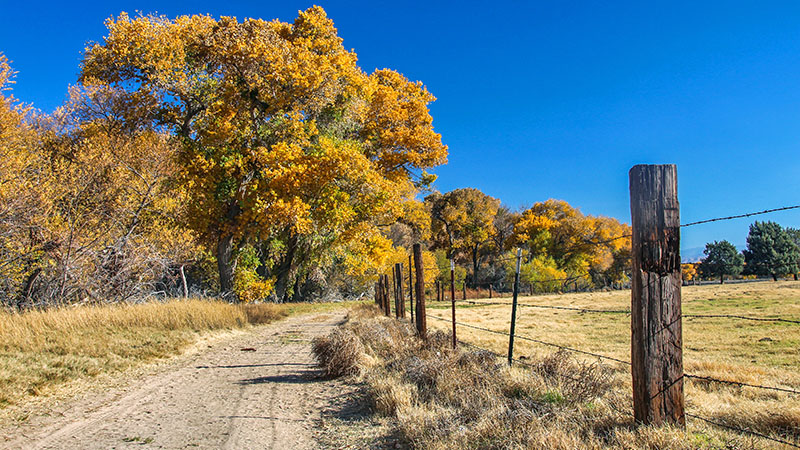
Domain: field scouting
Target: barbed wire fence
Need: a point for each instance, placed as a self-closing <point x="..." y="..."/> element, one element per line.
<point x="421" y="309"/>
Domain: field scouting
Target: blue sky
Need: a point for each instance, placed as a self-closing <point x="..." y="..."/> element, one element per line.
<point x="542" y="100"/>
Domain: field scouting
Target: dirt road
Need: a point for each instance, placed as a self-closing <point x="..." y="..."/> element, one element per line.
<point x="252" y="391"/>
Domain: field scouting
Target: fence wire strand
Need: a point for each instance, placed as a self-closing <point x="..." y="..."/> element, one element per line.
<point x="627" y="311"/>
<point x="565" y="308"/>
<point x="740" y="383"/>
<point x="733" y="316"/>
<point x="525" y="338"/>
<point x="739" y="216"/>
<point x="744" y="430"/>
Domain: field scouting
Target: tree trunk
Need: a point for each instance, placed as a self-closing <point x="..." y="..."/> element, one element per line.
<point x="475" y="266"/>
<point x="722" y="278"/>
<point x="225" y="261"/>
<point x="284" y="269"/>
<point x="183" y="284"/>
<point x="774" y="277"/>
<point x="225" y="265"/>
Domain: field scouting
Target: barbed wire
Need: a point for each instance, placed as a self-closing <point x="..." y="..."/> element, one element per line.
<point x="743" y="430"/>
<point x="740" y="383"/>
<point x="516" y="360"/>
<point x="627" y="311"/>
<point x="694" y="416"/>
<point x="525" y="338"/>
<point x="734" y="316"/>
<point x="567" y="308"/>
<point x="739" y="216"/>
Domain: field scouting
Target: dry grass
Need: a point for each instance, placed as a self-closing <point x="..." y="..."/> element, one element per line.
<point x="445" y="399"/>
<point x="42" y="351"/>
<point x="765" y="353"/>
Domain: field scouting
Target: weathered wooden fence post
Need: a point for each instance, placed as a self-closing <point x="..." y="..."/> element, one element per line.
<point x="656" y="341"/>
<point x="380" y="292"/>
<point x="410" y="290"/>
<point x="395" y="283"/>
<point x="514" y="310"/>
<point x="453" y="297"/>
<point x="401" y="300"/>
<point x="422" y="324"/>
<point x="387" y="309"/>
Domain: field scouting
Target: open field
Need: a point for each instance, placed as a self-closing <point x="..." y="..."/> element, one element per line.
<point x="43" y="352"/>
<point x="763" y="353"/>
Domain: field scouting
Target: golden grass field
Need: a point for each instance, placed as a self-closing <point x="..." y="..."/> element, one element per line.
<point x="765" y="353"/>
<point x="41" y="352"/>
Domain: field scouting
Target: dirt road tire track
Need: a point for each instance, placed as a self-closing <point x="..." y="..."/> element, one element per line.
<point x="223" y="397"/>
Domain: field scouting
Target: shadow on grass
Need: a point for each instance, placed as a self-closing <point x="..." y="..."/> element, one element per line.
<point x="350" y="419"/>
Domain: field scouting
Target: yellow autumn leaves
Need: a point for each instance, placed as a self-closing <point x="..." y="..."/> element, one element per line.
<point x="282" y="135"/>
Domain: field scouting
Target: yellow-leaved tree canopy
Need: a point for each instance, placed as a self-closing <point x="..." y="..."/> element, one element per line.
<point x="289" y="152"/>
<point x="574" y="243"/>
<point x="462" y="223"/>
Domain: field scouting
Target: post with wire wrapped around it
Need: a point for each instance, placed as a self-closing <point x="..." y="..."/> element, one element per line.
<point x="422" y="324"/>
<point x="656" y="334"/>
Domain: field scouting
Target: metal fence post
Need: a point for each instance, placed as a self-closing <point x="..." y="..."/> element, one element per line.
<point x="514" y="310"/>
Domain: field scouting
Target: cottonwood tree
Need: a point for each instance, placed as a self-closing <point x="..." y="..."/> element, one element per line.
<point x="770" y="250"/>
<point x="578" y="244"/>
<point x="462" y="222"/>
<point x="721" y="259"/>
<point x="284" y="141"/>
<point x="24" y="196"/>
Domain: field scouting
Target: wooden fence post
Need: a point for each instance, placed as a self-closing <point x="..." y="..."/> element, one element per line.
<point x="410" y="290"/>
<point x="383" y="294"/>
<point x="394" y="292"/>
<point x="453" y="297"/>
<point x="656" y="341"/>
<point x="380" y="293"/>
<point x="514" y="310"/>
<point x="387" y="309"/>
<point x="422" y="324"/>
<point x="401" y="300"/>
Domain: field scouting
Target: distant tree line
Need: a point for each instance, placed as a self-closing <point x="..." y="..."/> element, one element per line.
<point x="772" y="251"/>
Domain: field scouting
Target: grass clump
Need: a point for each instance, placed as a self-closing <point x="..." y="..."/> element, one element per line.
<point x="441" y="398"/>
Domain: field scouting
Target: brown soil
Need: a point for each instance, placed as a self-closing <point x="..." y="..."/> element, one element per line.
<point x="260" y="389"/>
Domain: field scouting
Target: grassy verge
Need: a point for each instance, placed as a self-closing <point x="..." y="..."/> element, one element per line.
<point x="441" y="398"/>
<point x="763" y="353"/>
<point x="41" y="351"/>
